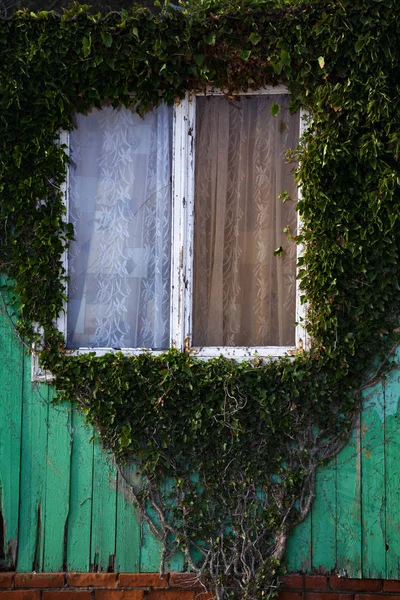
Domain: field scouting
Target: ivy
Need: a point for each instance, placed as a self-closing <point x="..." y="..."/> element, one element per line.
<point x="225" y="452"/>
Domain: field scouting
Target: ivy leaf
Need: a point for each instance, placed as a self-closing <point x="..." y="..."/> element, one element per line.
<point x="278" y="251"/>
<point x="245" y="54"/>
<point x="210" y="39"/>
<point x="254" y="38"/>
<point x="199" y="59"/>
<point x="86" y="45"/>
<point x="321" y="62"/>
<point x="285" y="58"/>
<point x="275" y="108"/>
<point x="135" y="33"/>
<point x="106" y="39"/>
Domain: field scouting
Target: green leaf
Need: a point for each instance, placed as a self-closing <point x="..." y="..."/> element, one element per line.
<point x="135" y="32"/>
<point x="254" y="38"/>
<point x="275" y="109"/>
<point x="86" y="45"/>
<point x="321" y="62"/>
<point x="278" y="251"/>
<point x="245" y="54"/>
<point x="210" y="39"/>
<point x="285" y="58"/>
<point x="199" y="59"/>
<point x="107" y="39"/>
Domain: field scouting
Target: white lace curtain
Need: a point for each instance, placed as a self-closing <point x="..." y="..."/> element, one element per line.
<point x="120" y="206"/>
<point x="243" y="294"/>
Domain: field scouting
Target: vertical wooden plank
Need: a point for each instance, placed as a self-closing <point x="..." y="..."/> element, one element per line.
<point x="11" y="376"/>
<point x="104" y="511"/>
<point x="373" y="484"/>
<point x="81" y="494"/>
<point x="57" y="486"/>
<point x="392" y="459"/>
<point x="33" y="473"/>
<point x="299" y="547"/>
<point x="349" y="507"/>
<point x="324" y="520"/>
<point x="128" y="531"/>
<point x="149" y="551"/>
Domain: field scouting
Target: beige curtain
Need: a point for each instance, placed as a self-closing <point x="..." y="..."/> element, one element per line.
<point x="243" y="294"/>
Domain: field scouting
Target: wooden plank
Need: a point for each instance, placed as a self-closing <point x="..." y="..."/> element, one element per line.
<point x="81" y="494"/>
<point x="11" y="375"/>
<point x="349" y="507"/>
<point x="33" y="473"/>
<point x="299" y="548"/>
<point x="373" y="484"/>
<point x="57" y="486"/>
<point x="104" y="511"/>
<point x="324" y="517"/>
<point x="392" y="468"/>
<point x="128" y="531"/>
<point x="150" y="550"/>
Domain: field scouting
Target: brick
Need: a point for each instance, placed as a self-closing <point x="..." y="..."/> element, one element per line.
<point x="39" y="580"/>
<point x="315" y="582"/>
<point x="119" y="595"/>
<point x="67" y="595"/>
<point x="362" y="585"/>
<point x="290" y="595"/>
<point x="20" y="595"/>
<point x="376" y="597"/>
<point x="171" y="595"/>
<point x="203" y="595"/>
<point x="183" y="580"/>
<point x="6" y="580"/>
<point x="391" y="585"/>
<point x="328" y="596"/>
<point x="293" y="582"/>
<point x="106" y="580"/>
<point x="142" y="580"/>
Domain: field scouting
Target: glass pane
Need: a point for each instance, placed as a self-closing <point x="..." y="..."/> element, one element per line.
<point x="120" y="206"/>
<point x="243" y="294"/>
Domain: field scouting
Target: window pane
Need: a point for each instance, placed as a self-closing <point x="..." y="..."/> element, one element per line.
<point x="243" y="294"/>
<point x="120" y="206"/>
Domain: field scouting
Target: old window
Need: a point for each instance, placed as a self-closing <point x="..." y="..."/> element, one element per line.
<point x="177" y="219"/>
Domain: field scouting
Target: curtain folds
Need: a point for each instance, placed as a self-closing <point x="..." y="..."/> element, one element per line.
<point x="243" y="294"/>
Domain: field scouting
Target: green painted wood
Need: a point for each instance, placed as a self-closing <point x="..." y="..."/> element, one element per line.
<point x="149" y="551"/>
<point x="392" y="469"/>
<point x="128" y="530"/>
<point x="324" y="514"/>
<point x="58" y="462"/>
<point x="299" y="548"/>
<point x="11" y="377"/>
<point x="349" y="535"/>
<point x="32" y="508"/>
<point x="373" y="484"/>
<point x="104" y="511"/>
<point x="81" y="494"/>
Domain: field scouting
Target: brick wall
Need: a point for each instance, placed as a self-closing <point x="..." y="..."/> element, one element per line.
<point x="178" y="586"/>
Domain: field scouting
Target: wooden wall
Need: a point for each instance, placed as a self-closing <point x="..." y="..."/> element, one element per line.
<point x="63" y="506"/>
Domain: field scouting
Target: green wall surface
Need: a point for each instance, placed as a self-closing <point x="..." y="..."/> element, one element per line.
<point x="63" y="506"/>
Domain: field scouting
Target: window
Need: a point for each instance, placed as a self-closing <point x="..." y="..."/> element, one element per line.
<point x="177" y="217"/>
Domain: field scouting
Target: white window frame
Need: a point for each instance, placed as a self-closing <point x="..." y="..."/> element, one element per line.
<point x="182" y="235"/>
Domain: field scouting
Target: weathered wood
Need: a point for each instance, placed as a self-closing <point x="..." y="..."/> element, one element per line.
<point x="373" y="484"/>
<point x="57" y="486"/>
<point x="299" y="551"/>
<point x="104" y="511"/>
<point x="348" y="554"/>
<point x="81" y="496"/>
<point x="11" y="376"/>
<point x="323" y="523"/>
<point x="128" y="530"/>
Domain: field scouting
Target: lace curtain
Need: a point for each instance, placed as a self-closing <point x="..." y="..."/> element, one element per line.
<point x="120" y="206"/>
<point x="243" y="294"/>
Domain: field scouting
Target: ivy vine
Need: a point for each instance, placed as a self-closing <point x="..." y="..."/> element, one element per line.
<point x="225" y="452"/>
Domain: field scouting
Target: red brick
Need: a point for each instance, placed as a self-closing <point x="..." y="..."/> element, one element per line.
<point x="119" y="594"/>
<point x="328" y="596"/>
<point x="106" y="580"/>
<point x="142" y="580"/>
<point x="290" y="595"/>
<point x="346" y="583"/>
<point x="6" y="580"/>
<point x="203" y="595"/>
<point x="183" y="580"/>
<point x="39" y="580"/>
<point x="170" y="595"/>
<point x="67" y="595"/>
<point x="391" y="585"/>
<point x="315" y="582"/>
<point x="20" y="595"/>
<point x="293" y="582"/>
<point x="376" y="597"/>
